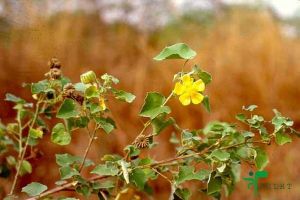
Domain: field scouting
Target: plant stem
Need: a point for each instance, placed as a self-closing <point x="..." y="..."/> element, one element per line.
<point x="20" y="133"/>
<point x="146" y="125"/>
<point x="63" y="187"/>
<point x="149" y="121"/>
<point x="23" y="152"/>
<point x="92" y="137"/>
<point x="170" y="161"/>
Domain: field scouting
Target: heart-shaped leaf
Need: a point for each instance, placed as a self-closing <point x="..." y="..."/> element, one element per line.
<point x="176" y="51"/>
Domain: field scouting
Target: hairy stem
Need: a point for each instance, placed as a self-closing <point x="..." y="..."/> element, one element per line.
<point x="171" y="161"/>
<point x="92" y="137"/>
<point x="64" y="187"/>
<point x="23" y="152"/>
<point x="147" y="124"/>
<point x="149" y="121"/>
<point x="20" y="133"/>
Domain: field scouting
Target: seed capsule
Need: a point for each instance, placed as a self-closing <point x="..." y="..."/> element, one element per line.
<point x="70" y="92"/>
<point x="54" y="63"/>
<point x="142" y="142"/>
<point x="88" y="77"/>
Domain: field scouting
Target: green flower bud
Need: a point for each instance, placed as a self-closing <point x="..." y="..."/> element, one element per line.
<point x="88" y="77"/>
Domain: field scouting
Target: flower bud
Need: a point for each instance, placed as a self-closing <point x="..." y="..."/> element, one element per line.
<point x="88" y="77"/>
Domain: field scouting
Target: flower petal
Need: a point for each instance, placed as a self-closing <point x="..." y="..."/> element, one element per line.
<point x="196" y="97"/>
<point x="187" y="80"/>
<point x="185" y="99"/>
<point x="178" y="89"/>
<point x="199" y="85"/>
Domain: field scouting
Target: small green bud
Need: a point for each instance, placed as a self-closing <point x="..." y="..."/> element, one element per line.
<point x="88" y="77"/>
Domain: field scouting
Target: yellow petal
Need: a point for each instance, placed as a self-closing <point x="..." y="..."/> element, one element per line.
<point x="186" y="79"/>
<point x="199" y="85"/>
<point x="196" y="97"/>
<point x="102" y="103"/>
<point x="185" y="99"/>
<point x="178" y="89"/>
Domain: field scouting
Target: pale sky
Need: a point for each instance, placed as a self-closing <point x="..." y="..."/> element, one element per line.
<point x="284" y="8"/>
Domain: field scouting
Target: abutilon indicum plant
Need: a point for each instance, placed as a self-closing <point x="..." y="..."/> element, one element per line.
<point x="219" y="147"/>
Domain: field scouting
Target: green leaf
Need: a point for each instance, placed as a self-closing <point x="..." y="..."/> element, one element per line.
<point x="246" y="152"/>
<point x="240" y="117"/>
<point x="138" y="177"/>
<point x="35" y="133"/>
<point x="187" y="173"/>
<point x="214" y="185"/>
<point x="176" y="51"/>
<point x="66" y="159"/>
<point x="59" y="135"/>
<point x="160" y="123"/>
<point x="261" y="159"/>
<point x="109" y="78"/>
<point x="132" y="150"/>
<point x="220" y="155"/>
<point x="26" y="168"/>
<point x="34" y="189"/>
<point x="103" y="185"/>
<point x="39" y="87"/>
<point x="67" y="109"/>
<point x="91" y="92"/>
<point x="173" y="139"/>
<point x="68" y="172"/>
<point x="84" y="189"/>
<point x="206" y="103"/>
<point x="153" y="105"/>
<point x="123" y="96"/>
<point x="81" y="87"/>
<point x="11" y="160"/>
<point x="76" y="122"/>
<point x="205" y="77"/>
<point x="250" y="108"/>
<point x="111" y="157"/>
<point x="13" y="98"/>
<point x="95" y="108"/>
<point x="105" y="170"/>
<point x="107" y="124"/>
<point x="124" y="167"/>
<point x="279" y="121"/>
<point x="183" y="194"/>
<point x="282" y="138"/>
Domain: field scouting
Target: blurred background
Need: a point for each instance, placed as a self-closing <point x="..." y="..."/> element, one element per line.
<point x="251" y="48"/>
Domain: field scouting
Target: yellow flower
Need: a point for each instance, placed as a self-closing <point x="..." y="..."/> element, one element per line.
<point x="102" y="103"/>
<point x="189" y="90"/>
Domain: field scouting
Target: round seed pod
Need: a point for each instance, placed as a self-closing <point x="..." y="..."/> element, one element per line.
<point x="141" y="142"/>
<point x="70" y="92"/>
<point x="88" y="77"/>
<point x="55" y="73"/>
<point x="54" y="63"/>
<point x="50" y="94"/>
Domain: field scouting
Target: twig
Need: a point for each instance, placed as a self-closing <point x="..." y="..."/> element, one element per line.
<point x="162" y="175"/>
<point x="63" y="187"/>
<point x="24" y="150"/>
<point x="92" y="137"/>
<point x="170" y="161"/>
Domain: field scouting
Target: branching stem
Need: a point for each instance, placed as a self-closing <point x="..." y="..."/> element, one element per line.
<point x="23" y="150"/>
